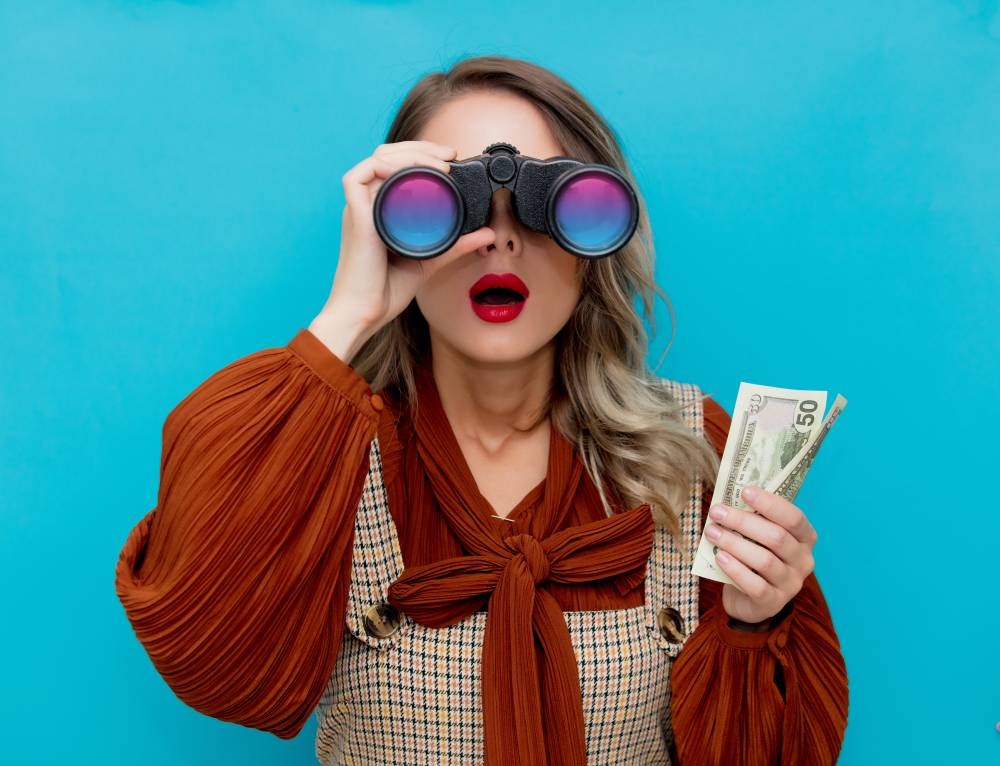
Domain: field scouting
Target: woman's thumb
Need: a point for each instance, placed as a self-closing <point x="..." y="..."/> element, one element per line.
<point x="475" y="240"/>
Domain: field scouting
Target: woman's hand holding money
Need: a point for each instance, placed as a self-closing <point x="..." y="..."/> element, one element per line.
<point x="771" y="564"/>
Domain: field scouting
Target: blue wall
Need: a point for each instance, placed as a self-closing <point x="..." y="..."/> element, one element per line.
<point x="824" y="181"/>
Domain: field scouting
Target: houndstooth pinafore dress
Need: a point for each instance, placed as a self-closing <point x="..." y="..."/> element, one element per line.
<point x="404" y="693"/>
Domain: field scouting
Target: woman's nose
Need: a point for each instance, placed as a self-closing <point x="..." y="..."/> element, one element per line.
<point x="505" y="224"/>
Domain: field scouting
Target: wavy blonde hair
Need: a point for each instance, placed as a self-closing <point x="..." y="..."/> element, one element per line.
<point x="627" y="427"/>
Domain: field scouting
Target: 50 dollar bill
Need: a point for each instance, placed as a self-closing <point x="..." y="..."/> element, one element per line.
<point x="773" y="440"/>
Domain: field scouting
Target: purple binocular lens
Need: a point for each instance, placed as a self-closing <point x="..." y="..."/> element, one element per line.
<point x="593" y="211"/>
<point x="420" y="211"/>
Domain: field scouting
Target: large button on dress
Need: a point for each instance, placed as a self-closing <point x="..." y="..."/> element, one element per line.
<point x="671" y="624"/>
<point x="381" y="620"/>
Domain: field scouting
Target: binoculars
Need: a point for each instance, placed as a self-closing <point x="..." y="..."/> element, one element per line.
<point x="589" y="209"/>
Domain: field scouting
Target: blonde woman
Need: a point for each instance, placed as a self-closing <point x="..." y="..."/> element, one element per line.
<point x="502" y="573"/>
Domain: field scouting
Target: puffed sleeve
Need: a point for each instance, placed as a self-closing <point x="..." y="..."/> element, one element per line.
<point x="742" y="698"/>
<point x="236" y="582"/>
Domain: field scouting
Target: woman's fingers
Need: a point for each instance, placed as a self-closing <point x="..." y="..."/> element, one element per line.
<point x="399" y="160"/>
<point x="473" y="241"/>
<point x="753" y="585"/>
<point x="439" y="150"/>
<point x="355" y="182"/>
<point x="361" y="183"/>
<point x="767" y="554"/>
<point x="467" y="243"/>
<point x="759" y="529"/>
<point x="770" y="566"/>
<point x="781" y="511"/>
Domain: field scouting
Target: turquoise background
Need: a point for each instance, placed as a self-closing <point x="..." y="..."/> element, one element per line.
<point x="824" y="181"/>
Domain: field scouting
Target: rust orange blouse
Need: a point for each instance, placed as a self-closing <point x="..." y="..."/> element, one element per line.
<point x="236" y="581"/>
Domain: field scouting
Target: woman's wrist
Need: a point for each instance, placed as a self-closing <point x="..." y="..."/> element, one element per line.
<point x="764" y="625"/>
<point x="343" y="335"/>
<point x="751" y="627"/>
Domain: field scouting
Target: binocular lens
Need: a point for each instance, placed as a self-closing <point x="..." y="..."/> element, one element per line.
<point x="420" y="211"/>
<point x="593" y="211"/>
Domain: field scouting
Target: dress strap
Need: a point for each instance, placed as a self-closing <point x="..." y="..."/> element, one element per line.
<point x="671" y="587"/>
<point x="377" y="562"/>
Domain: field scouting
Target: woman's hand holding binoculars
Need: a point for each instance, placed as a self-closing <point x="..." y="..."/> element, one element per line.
<point x="372" y="285"/>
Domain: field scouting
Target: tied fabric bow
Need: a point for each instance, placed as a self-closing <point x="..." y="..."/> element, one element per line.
<point x="530" y="679"/>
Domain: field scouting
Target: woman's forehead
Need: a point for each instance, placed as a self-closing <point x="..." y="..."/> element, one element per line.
<point x="473" y="121"/>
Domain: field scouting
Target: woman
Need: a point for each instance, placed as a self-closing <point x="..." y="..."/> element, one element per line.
<point x="510" y="558"/>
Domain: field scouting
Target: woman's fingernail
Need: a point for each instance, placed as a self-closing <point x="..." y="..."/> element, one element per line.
<point x="713" y="532"/>
<point x="718" y="513"/>
<point x="749" y="492"/>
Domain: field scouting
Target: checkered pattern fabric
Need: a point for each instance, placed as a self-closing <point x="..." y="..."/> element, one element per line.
<point x="413" y="697"/>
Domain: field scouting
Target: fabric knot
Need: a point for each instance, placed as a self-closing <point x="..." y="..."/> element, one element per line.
<point x="534" y="555"/>
<point x="526" y="629"/>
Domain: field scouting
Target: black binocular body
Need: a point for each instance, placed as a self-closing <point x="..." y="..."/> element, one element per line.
<point x="589" y="209"/>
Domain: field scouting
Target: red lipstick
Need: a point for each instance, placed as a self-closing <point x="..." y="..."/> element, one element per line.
<point x="498" y="297"/>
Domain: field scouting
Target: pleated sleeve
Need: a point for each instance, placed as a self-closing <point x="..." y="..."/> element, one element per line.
<point x="236" y="581"/>
<point x="776" y="696"/>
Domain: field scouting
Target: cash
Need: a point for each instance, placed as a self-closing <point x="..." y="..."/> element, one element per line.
<point x="773" y="440"/>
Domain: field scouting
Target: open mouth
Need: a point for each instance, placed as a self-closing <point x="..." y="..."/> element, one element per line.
<point x="498" y="296"/>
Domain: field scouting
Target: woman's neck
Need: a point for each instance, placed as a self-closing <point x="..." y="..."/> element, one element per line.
<point x="490" y="403"/>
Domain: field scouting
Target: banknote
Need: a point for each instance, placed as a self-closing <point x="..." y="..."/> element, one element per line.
<point x="789" y="480"/>
<point x="773" y="440"/>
